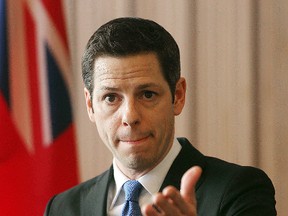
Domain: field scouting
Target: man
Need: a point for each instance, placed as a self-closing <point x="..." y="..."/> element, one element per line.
<point x="133" y="91"/>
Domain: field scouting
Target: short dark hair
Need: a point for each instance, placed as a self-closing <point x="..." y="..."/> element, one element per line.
<point x="130" y="36"/>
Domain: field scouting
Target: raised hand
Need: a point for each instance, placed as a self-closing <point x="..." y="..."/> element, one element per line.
<point x="174" y="202"/>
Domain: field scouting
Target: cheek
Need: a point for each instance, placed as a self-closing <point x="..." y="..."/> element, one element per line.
<point x="106" y="125"/>
<point x="167" y="122"/>
<point x="165" y="113"/>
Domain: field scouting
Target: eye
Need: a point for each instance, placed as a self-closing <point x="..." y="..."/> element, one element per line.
<point x="110" y="98"/>
<point x="149" y="94"/>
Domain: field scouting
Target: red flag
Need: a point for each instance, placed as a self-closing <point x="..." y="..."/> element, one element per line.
<point x="37" y="138"/>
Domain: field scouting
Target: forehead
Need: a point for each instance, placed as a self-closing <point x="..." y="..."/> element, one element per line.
<point x="144" y="66"/>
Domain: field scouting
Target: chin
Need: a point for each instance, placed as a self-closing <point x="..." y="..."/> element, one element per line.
<point x="140" y="163"/>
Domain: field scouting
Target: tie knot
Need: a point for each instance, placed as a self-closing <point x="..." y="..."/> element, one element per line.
<point x="132" y="190"/>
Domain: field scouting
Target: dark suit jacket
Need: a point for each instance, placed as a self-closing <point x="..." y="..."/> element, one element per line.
<point x="223" y="189"/>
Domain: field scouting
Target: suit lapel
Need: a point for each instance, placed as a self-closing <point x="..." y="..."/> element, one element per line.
<point x="187" y="158"/>
<point x="94" y="201"/>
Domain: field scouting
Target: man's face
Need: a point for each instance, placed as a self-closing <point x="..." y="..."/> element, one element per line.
<point x="133" y="110"/>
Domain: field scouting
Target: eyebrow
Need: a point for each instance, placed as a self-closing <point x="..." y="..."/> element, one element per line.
<point x="107" y="88"/>
<point x="139" y="87"/>
<point x="147" y="85"/>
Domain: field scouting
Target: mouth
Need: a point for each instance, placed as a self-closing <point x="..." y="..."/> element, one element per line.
<point x="134" y="141"/>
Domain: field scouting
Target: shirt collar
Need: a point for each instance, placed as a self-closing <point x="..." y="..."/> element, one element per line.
<point x="120" y="179"/>
<point x="152" y="180"/>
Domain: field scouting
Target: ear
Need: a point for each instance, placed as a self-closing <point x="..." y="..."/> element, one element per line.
<point x="89" y="104"/>
<point x="179" y="98"/>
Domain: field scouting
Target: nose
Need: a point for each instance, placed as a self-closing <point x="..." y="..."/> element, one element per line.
<point x="130" y="115"/>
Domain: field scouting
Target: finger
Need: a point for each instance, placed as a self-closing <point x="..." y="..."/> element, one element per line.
<point x="149" y="210"/>
<point x="177" y="200"/>
<point x="188" y="183"/>
<point x="165" y="205"/>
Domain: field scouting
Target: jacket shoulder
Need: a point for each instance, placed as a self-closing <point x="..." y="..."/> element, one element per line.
<point x="235" y="189"/>
<point x="226" y="188"/>
<point x="69" y="202"/>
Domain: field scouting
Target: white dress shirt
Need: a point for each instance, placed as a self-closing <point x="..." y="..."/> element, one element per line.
<point x="151" y="182"/>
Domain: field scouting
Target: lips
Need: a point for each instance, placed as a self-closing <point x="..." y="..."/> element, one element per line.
<point x="134" y="139"/>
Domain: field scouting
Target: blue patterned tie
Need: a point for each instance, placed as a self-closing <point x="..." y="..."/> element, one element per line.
<point x="132" y="190"/>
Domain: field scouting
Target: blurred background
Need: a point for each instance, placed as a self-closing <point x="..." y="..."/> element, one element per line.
<point x="234" y="57"/>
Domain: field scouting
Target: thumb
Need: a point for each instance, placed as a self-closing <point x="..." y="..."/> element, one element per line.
<point x="188" y="183"/>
